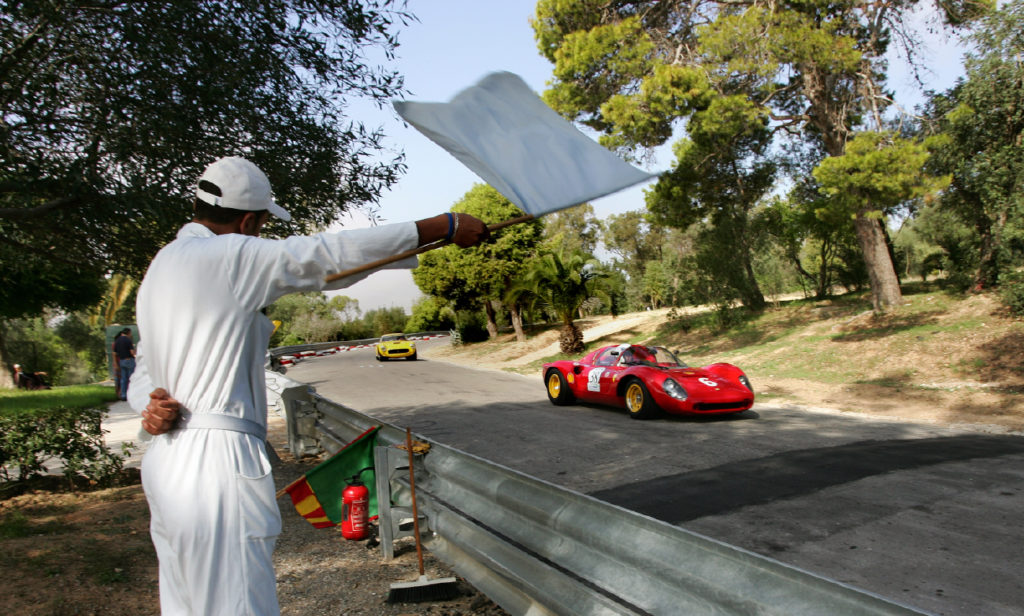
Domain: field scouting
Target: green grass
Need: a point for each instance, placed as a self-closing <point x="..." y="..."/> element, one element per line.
<point x="107" y="562"/>
<point x="73" y="397"/>
<point x="17" y="524"/>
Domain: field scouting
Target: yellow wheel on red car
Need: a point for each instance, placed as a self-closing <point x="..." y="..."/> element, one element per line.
<point x="558" y="390"/>
<point x="639" y="402"/>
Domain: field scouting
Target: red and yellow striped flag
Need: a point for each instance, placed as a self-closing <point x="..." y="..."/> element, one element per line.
<point x="317" y="494"/>
<point x="306" y="503"/>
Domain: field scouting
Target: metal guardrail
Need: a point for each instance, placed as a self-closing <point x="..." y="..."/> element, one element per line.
<point x="536" y="548"/>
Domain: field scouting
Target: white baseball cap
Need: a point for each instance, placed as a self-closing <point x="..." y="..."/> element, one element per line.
<point x="239" y="185"/>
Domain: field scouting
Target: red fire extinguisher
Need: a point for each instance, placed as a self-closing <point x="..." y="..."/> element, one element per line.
<point x="355" y="505"/>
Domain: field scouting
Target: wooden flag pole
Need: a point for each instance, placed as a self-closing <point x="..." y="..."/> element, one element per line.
<point x="302" y="477"/>
<point x="291" y="485"/>
<point x="415" y="251"/>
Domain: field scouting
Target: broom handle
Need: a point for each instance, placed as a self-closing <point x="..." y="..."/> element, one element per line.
<point x="412" y="492"/>
<point x="415" y="251"/>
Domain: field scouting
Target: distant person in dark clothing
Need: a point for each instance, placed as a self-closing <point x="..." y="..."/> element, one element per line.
<point x="124" y="361"/>
<point x="29" y="380"/>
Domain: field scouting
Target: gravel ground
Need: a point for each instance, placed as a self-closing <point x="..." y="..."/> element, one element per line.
<point x="319" y="572"/>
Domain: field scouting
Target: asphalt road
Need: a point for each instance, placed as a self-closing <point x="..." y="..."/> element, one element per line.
<point x="925" y="515"/>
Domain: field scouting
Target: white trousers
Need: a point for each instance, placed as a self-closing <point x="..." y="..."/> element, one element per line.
<point x="214" y="522"/>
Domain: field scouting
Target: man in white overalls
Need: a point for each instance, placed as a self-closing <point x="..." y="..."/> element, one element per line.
<point x="199" y="383"/>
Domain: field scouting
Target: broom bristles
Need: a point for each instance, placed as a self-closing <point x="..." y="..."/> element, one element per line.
<point x="424" y="589"/>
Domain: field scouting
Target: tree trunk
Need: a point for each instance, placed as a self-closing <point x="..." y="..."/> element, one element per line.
<point x="492" y="324"/>
<point x="754" y="298"/>
<point x="570" y="341"/>
<point x="885" y="287"/>
<point x="825" y="281"/>
<point x="892" y="253"/>
<point x="6" y="372"/>
<point x="517" y="322"/>
<point x="988" y="267"/>
<point x="808" y="278"/>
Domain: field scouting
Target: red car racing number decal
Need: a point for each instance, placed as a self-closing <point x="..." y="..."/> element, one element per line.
<point x="594" y="379"/>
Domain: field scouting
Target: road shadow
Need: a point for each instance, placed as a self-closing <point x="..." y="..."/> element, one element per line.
<point x="876" y="326"/>
<point x="742" y="416"/>
<point x="688" y="496"/>
<point x="1002" y="361"/>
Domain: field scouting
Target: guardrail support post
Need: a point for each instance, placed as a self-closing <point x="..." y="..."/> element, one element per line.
<point x="388" y="466"/>
<point x="301" y="416"/>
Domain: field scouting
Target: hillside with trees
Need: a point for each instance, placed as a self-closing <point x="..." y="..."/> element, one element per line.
<point x="795" y="170"/>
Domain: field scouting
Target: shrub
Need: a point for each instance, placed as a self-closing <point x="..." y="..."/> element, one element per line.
<point x="471" y="326"/>
<point x="1011" y="291"/>
<point x="28" y="439"/>
<point x="430" y="314"/>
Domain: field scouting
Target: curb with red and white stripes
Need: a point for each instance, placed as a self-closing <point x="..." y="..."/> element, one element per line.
<point x="293" y="358"/>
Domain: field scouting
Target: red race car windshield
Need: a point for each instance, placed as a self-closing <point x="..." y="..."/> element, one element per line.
<point x="636" y="355"/>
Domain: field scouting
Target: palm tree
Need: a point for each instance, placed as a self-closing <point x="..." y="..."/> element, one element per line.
<point x="563" y="283"/>
<point x="119" y="292"/>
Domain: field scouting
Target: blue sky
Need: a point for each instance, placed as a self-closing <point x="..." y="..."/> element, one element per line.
<point x="453" y="45"/>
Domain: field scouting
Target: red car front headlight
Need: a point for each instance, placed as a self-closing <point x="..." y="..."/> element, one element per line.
<point x="674" y="389"/>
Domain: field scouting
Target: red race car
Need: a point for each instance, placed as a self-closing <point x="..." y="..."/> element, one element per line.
<point x="647" y="381"/>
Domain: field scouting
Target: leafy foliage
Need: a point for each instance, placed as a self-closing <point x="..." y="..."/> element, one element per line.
<point x="471" y="278"/>
<point x="978" y="133"/>
<point x="1012" y="293"/>
<point x="109" y="114"/>
<point x="563" y="282"/>
<point x="69" y="348"/>
<point x="575" y="229"/>
<point x="721" y="173"/>
<point x="88" y="344"/>
<point x="877" y="173"/>
<point x="430" y="314"/>
<point x="386" y="320"/>
<point x="29" y="438"/>
<point x="313" y="317"/>
<point x="634" y="239"/>
<point x="794" y="75"/>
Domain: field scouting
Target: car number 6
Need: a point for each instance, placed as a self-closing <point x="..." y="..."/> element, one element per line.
<point x="707" y="381"/>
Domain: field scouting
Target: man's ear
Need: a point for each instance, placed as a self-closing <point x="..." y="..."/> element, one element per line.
<point x="249" y="223"/>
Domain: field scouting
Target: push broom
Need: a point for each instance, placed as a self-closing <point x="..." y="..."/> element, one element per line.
<point x="423" y="589"/>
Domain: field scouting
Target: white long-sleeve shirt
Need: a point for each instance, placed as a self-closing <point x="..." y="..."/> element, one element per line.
<point x="202" y="335"/>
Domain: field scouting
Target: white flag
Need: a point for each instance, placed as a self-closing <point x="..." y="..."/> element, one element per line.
<point x="504" y="133"/>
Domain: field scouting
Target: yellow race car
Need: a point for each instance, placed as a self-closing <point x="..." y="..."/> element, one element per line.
<point x="395" y="345"/>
